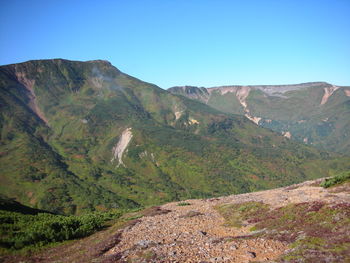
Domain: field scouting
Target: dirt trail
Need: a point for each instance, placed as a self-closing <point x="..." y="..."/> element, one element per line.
<point x="195" y="232"/>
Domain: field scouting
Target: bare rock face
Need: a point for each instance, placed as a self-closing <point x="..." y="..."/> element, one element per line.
<point x="29" y="85"/>
<point x="121" y="146"/>
<point x="201" y="94"/>
<point x="287" y="134"/>
<point x="327" y="93"/>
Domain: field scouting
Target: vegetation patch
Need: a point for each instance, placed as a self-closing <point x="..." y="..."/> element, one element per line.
<point x="316" y="231"/>
<point x="236" y="215"/>
<point x="183" y="204"/>
<point x="143" y="256"/>
<point x="93" y="247"/>
<point x="19" y="231"/>
<point x="336" y="180"/>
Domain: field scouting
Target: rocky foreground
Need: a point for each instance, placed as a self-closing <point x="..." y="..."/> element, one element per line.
<point x="299" y="223"/>
<point x="195" y="231"/>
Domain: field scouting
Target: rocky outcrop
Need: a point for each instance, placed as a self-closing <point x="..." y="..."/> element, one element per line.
<point x="347" y="92"/>
<point x="327" y="93"/>
<point x="178" y="114"/>
<point x="253" y="119"/>
<point x="192" y="92"/>
<point x="287" y="134"/>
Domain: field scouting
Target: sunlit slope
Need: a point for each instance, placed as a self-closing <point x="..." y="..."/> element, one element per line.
<point x="78" y="136"/>
<point x="315" y="113"/>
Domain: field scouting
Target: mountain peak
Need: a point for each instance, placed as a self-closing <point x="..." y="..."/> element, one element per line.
<point x="60" y="60"/>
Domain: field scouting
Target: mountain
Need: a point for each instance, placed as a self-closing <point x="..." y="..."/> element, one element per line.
<point x="315" y="113"/>
<point x="83" y="136"/>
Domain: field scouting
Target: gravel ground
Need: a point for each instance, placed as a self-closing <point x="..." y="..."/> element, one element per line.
<point x="196" y="232"/>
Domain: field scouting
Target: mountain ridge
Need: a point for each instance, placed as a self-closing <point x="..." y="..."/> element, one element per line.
<point x="59" y="158"/>
<point x="314" y="113"/>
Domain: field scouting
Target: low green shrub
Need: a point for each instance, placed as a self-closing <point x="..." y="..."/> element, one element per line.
<point x="19" y="230"/>
<point x="338" y="179"/>
<point x="183" y="204"/>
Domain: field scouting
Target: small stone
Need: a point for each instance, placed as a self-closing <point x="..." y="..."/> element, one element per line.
<point x="203" y="233"/>
<point x="234" y="247"/>
<point x="251" y="254"/>
<point x="143" y="244"/>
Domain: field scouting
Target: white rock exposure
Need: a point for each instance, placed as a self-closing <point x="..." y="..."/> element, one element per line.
<point x="287" y="134"/>
<point x="121" y="146"/>
<point x="253" y="119"/>
<point x="327" y="93"/>
<point x="178" y="114"/>
<point x="241" y="94"/>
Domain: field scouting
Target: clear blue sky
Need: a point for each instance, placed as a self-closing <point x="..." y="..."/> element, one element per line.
<point x="187" y="42"/>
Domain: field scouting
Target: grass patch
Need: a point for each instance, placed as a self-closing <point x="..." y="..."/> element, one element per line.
<point x="236" y="214"/>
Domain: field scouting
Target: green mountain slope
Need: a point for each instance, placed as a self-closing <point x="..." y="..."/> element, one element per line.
<point x="82" y="136"/>
<point x="314" y="113"/>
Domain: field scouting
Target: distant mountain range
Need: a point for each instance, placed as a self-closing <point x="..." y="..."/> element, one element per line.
<point x="81" y="136"/>
<point x="315" y="113"/>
